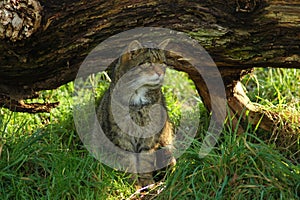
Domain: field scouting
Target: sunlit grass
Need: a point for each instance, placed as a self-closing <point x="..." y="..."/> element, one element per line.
<point x="42" y="157"/>
<point x="278" y="90"/>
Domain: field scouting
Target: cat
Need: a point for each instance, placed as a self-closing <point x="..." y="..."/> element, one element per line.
<point x="135" y="88"/>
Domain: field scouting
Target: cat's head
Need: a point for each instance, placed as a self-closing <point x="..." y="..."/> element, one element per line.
<point x="146" y="81"/>
<point x="141" y="71"/>
<point x="135" y="55"/>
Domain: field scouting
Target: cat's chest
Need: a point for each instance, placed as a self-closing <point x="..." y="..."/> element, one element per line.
<point x="126" y="138"/>
<point x="139" y="97"/>
<point x="135" y="144"/>
<point x="140" y="115"/>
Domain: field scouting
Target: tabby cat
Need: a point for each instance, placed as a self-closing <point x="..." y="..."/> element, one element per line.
<point x="136" y="87"/>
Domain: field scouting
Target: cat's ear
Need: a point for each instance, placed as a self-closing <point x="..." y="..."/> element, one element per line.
<point x="164" y="44"/>
<point x="126" y="56"/>
<point x="133" y="46"/>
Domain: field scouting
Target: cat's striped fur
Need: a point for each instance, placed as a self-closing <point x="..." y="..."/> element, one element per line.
<point x="144" y="71"/>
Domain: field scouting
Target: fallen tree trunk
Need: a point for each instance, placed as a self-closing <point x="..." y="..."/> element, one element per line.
<point x="43" y="43"/>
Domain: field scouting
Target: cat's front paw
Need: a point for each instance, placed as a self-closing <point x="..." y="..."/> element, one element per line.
<point x="144" y="182"/>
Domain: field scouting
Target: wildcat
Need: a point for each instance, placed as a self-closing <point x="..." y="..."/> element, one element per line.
<point x="128" y="116"/>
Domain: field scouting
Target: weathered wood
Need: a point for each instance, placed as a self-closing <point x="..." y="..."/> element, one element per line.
<point x="238" y="34"/>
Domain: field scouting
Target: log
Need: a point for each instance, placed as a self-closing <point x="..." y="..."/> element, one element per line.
<point x="43" y="43"/>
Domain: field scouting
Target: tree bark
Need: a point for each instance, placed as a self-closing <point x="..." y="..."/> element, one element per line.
<point x="42" y="44"/>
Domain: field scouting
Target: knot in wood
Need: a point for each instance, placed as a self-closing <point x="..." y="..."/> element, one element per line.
<point x="246" y="5"/>
<point x="19" y="19"/>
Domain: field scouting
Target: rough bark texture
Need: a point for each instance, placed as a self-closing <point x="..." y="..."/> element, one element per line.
<point x="42" y="47"/>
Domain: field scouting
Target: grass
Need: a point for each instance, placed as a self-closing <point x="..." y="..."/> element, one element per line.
<point x="42" y="157"/>
<point x="277" y="90"/>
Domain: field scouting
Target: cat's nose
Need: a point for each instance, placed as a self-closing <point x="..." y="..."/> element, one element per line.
<point x="160" y="70"/>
